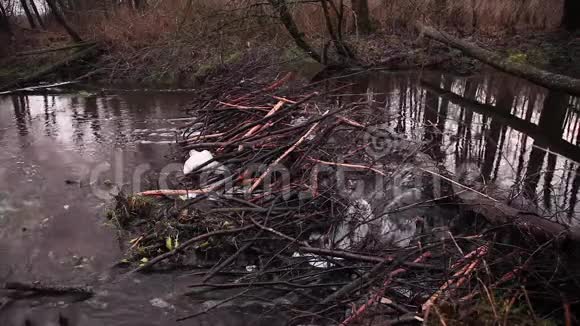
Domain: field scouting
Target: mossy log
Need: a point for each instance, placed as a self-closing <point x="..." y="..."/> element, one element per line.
<point x="533" y="74"/>
<point x="43" y="71"/>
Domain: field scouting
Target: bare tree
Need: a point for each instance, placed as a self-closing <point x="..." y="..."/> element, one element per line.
<point x="62" y="21"/>
<point x="362" y="19"/>
<point x="36" y="13"/>
<point x="4" y="20"/>
<point x="139" y="4"/>
<point x="571" y="15"/>
<point x="341" y="49"/>
<point x="281" y="7"/>
<point x="28" y="13"/>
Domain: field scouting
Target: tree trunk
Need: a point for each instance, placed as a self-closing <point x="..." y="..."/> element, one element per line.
<point x="4" y="21"/>
<point x="64" y="7"/>
<point x="362" y="18"/>
<point x="341" y="48"/>
<point x="28" y="13"/>
<point x="140" y="4"/>
<point x="105" y="4"/>
<point x="281" y="8"/>
<point x="571" y="15"/>
<point x="61" y="20"/>
<point x="533" y="74"/>
<point x="37" y="14"/>
<point x="440" y="6"/>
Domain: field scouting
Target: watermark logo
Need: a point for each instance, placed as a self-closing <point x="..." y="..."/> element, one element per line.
<point x="391" y="165"/>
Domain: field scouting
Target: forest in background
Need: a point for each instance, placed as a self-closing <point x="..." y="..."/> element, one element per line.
<point x="181" y="42"/>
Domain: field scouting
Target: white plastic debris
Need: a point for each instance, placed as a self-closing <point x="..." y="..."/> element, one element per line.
<point x="313" y="260"/>
<point x="315" y="236"/>
<point x="188" y="196"/>
<point x="196" y="159"/>
<point x="298" y="121"/>
<point x="160" y="303"/>
<point x="251" y="268"/>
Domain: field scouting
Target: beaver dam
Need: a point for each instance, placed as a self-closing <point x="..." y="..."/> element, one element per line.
<point x="344" y="203"/>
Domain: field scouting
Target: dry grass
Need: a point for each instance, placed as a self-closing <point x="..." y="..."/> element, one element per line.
<point x="168" y="20"/>
<point x="171" y="41"/>
<point x="489" y="16"/>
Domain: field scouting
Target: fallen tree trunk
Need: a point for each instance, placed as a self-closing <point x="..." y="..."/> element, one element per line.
<point x="35" y="76"/>
<point x="39" y="88"/>
<point x="533" y="74"/>
<point x="498" y="213"/>
<point x="52" y="49"/>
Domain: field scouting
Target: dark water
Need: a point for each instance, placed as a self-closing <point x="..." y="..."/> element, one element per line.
<point x="61" y="155"/>
<point x="519" y="139"/>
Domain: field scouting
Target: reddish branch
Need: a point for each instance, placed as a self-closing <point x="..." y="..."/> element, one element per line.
<point x="379" y="294"/>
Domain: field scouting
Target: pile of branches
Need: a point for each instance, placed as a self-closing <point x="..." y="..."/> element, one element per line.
<point x="263" y="218"/>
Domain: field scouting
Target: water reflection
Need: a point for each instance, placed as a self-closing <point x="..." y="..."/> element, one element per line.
<point x="52" y="230"/>
<point x="522" y="139"/>
<point x="47" y="140"/>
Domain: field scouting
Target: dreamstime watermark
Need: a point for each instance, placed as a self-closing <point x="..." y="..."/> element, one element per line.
<point x="387" y="177"/>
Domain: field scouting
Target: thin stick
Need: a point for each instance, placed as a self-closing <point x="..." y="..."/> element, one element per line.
<point x="349" y="121"/>
<point x="243" y="107"/>
<point x="464" y="272"/>
<point x="377" y="296"/>
<point x="347" y="165"/>
<point x="458" y="184"/>
<point x="283" y="156"/>
<point x="187" y="244"/>
<point x="226" y="262"/>
<point x="254" y="129"/>
<point x="170" y="192"/>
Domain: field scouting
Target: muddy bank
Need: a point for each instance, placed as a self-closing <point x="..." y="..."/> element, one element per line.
<point x="552" y="51"/>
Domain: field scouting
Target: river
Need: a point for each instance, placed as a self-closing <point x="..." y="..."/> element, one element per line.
<point x="64" y="153"/>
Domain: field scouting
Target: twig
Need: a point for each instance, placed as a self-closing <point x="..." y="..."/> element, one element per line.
<point x="376" y="297"/>
<point x="229" y="260"/>
<point x="170" y="192"/>
<point x="283" y="156"/>
<point x="205" y="311"/>
<point x="186" y="244"/>
<point x="346" y="165"/>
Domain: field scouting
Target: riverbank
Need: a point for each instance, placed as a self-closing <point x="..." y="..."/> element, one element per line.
<point x="189" y="65"/>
